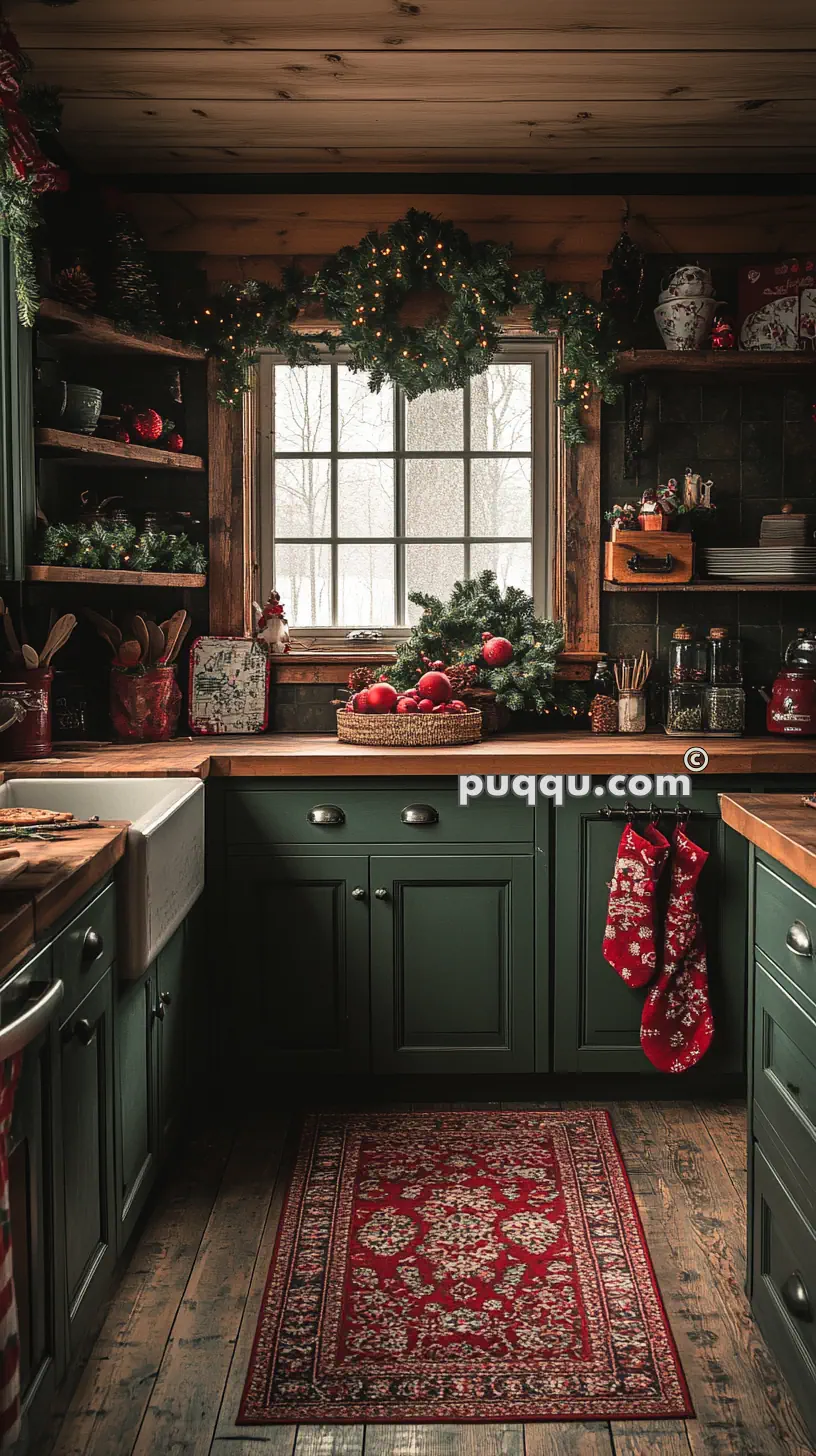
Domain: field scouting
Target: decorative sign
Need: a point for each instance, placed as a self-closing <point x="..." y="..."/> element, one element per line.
<point x="229" y="685"/>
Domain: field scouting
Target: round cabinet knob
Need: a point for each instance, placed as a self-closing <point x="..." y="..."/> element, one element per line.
<point x="358" y="893"/>
<point x="165" y="999"/>
<point x="381" y="894"/>
<point x="92" y="945"/>
<point x="83" y="1031"/>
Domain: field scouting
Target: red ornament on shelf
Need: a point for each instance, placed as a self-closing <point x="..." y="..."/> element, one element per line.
<point x="174" y="442"/>
<point x="497" y="651"/>
<point x="146" y="426"/>
<point x="436" y="686"/>
<point x="723" y="334"/>
<point x="382" y="697"/>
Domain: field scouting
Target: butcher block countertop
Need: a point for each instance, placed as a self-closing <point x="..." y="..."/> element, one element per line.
<point x="780" y="824"/>
<point x="57" y="872"/>
<point x="312" y="755"/>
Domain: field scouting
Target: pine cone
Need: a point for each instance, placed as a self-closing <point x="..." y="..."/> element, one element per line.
<point x="75" y="286"/>
<point x="361" y="677"/>
<point x="462" y="676"/>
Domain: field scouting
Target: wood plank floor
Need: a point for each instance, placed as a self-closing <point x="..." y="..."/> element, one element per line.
<point x="166" y="1373"/>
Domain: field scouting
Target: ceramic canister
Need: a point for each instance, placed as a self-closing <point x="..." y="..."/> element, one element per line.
<point x="685" y="323"/>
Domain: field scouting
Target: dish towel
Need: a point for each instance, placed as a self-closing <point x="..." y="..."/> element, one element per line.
<point x="677" y="1025"/>
<point x="9" y="1332"/>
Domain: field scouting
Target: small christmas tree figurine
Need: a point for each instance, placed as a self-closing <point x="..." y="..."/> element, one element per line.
<point x="132" y="294"/>
<point x="270" y="624"/>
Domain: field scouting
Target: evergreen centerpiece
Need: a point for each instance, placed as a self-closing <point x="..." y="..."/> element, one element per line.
<point x="457" y="633"/>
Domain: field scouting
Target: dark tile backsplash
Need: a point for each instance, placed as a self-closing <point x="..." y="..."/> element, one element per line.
<point x="757" y="441"/>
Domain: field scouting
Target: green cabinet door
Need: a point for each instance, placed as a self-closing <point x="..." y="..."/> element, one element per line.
<point x="136" y="1119"/>
<point x="292" y="978"/>
<point x="452" y="963"/>
<point x="35" y="1211"/>
<point x="171" y="1018"/>
<point x="596" y="1015"/>
<point x="87" y="1100"/>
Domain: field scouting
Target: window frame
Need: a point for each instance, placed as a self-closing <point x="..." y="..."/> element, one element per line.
<point x="546" y="454"/>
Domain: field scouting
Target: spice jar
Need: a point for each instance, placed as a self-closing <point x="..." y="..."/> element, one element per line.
<point x="632" y="711"/>
<point x="724" y="710"/>
<point x="603" y="707"/>
<point x="684" y="712"/>
<point x="687" y="657"/>
<point x="724" y="657"/>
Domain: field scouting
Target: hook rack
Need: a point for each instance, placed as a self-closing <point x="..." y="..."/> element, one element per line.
<point x="681" y="812"/>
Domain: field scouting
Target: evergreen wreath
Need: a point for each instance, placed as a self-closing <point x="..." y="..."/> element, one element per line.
<point x="451" y="632"/>
<point x="364" y="289"/>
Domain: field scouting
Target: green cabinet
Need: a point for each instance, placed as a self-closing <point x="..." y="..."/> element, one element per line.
<point x="136" y="1113"/>
<point x="295" y="960"/>
<point x="172" y="1022"/>
<point x="596" y="1015"/>
<point x="452" y="962"/>
<point x="86" y="1096"/>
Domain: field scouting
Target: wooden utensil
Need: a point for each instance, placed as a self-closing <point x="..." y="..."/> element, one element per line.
<point x="57" y="637"/>
<point x="130" y="653"/>
<point x="176" y="632"/>
<point x="141" y="634"/>
<point x="30" y="657"/>
<point x="105" y="628"/>
<point x="157" y="643"/>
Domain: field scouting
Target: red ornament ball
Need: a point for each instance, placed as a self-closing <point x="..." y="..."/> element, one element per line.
<point x="497" y="652"/>
<point x="123" y="436"/>
<point x="407" y="705"/>
<point x="436" y="686"/>
<point x="457" y="706"/>
<point x="381" y="698"/>
<point x="147" y="425"/>
<point x="360" y="701"/>
<point x="437" y="667"/>
<point x="174" y="442"/>
<point x="425" y="705"/>
<point x="723" y="335"/>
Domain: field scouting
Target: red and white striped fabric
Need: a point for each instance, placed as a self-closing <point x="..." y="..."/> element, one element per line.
<point x="9" y="1332"/>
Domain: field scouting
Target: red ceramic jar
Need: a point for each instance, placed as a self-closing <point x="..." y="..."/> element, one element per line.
<point x="145" y="705"/>
<point x="31" y="737"/>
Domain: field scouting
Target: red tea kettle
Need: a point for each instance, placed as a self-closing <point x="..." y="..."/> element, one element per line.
<point x="792" y="702"/>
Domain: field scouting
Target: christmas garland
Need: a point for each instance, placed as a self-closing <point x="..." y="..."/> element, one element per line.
<point x="452" y="632"/>
<point x="119" y="546"/>
<point x="364" y="288"/>
<point x="25" y="173"/>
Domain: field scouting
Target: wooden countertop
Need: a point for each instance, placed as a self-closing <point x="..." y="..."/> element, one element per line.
<point x="57" y="873"/>
<point x="780" y="825"/>
<point x="314" y="755"/>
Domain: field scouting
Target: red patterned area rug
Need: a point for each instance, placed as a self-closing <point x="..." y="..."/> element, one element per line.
<point x="461" y="1266"/>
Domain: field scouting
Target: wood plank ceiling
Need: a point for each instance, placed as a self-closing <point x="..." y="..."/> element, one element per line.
<point x="524" y="86"/>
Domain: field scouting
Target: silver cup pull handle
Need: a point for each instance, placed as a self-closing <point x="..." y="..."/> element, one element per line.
<point x="326" y="815"/>
<point x="419" y="815"/>
<point x="798" y="940"/>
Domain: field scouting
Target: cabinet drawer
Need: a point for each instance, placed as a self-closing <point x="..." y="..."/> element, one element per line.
<point x="785" y="1067"/>
<point x="86" y="947"/>
<point x="784" y="1282"/>
<point x="785" y="928"/>
<point x="375" y="815"/>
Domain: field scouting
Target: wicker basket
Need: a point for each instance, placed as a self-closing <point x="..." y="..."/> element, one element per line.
<point x="409" y="730"/>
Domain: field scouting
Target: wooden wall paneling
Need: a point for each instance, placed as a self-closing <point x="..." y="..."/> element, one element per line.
<point x="577" y="527"/>
<point x="548" y="160"/>
<point x="454" y="75"/>
<point x="230" y="490"/>
<point x="523" y="24"/>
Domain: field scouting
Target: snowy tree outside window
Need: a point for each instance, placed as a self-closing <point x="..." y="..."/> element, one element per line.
<point x="364" y="498"/>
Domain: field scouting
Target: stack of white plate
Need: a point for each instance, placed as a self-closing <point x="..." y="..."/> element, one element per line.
<point x="760" y="563"/>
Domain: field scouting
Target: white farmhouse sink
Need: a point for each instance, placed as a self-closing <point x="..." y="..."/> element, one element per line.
<point x="162" y="873"/>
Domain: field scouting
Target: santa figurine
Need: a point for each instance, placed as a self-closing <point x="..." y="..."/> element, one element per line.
<point x="270" y="624"/>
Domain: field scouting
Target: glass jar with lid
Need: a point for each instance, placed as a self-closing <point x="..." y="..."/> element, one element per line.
<point x="724" y="710"/>
<point x="603" y="707"/>
<point x="687" y="657"/>
<point x="684" y="710"/>
<point x="724" y="658"/>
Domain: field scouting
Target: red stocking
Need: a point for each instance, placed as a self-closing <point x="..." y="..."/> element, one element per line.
<point x="629" y="937"/>
<point x="677" y="1024"/>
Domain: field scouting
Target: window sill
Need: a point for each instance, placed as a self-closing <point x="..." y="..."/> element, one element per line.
<point x="326" y="665"/>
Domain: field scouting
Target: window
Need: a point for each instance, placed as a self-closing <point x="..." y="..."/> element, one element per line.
<point x="368" y="497"/>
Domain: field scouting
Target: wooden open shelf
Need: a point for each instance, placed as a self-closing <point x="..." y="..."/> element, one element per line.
<point x="81" y="576"/>
<point x="709" y="586"/>
<point x="90" y="331"/>
<point x="713" y="361"/>
<point x="94" y="450"/>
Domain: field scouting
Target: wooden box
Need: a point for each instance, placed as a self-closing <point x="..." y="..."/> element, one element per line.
<point x="649" y="556"/>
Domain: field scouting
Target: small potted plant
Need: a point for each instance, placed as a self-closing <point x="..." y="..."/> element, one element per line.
<point x="622" y="518"/>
